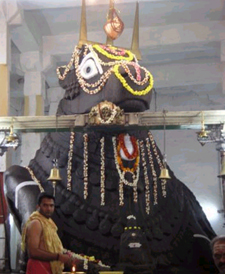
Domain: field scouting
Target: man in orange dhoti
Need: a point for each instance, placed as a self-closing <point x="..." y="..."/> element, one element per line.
<point x="41" y="240"/>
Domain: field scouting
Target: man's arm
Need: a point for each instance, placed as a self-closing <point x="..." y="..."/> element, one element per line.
<point x="35" y="251"/>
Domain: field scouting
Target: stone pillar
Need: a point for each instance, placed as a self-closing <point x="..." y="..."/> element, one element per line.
<point x="34" y="96"/>
<point x="223" y="64"/>
<point x="54" y="95"/>
<point x="221" y="173"/>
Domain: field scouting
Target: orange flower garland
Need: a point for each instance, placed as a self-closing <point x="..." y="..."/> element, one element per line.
<point x="123" y="147"/>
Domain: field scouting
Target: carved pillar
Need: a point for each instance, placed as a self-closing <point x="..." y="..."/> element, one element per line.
<point x="54" y="96"/>
<point x="221" y="174"/>
<point x="34" y="96"/>
<point x="223" y="64"/>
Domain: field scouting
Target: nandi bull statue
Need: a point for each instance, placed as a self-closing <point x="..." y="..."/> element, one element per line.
<point x="110" y="173"/>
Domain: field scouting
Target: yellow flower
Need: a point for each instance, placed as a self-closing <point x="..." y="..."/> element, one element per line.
<point x="129" y="88"/>
<point x="112" y="56"/>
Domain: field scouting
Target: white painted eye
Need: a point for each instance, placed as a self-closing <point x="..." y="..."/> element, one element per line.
<point x="89" y="67"/>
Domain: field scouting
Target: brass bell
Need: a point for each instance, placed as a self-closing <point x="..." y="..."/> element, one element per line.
<point x="54" y="177"/>
<point x="164" y="174"/>
<point x="222" y="172"/>
<point x="12" y="139"/>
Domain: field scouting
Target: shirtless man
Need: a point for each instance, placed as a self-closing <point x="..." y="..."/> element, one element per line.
<point x="41" y="240"/>
<point x="218" y="250"/>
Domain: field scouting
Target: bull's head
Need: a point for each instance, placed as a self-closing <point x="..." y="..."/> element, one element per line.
<point x="102" y="73"/>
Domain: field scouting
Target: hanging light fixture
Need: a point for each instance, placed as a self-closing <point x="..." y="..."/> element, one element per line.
<point x="54" y="173"/>
<point x="202" y="136"/>
<point x="11" y="139"/>
<point x="164" y="174"/>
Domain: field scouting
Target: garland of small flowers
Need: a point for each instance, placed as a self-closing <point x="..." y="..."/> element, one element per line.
<point x="85" y="165"/>
<point x="121" y="145"/>
<point x="84" y="258"/>
<point x="119" y="60"/>
<point x="113" y="50"/>
<point x="163" y="181"/>
<point x="135" y="174"/>
<point x="34" y="178"/>
<point x="154" y="175"/>
<point x="120" y="161"/>
<point x="98" y="85"/>
<point x="108" y="63"/>
<point x="106" y="51"/>
<point x="69" y="163"/>
<point x="147" y="188"/>
<point x="137" y="69"/>
<point x="67" y="67"/>
<point x="129" y="88"/>
<point x="102" y="182"/>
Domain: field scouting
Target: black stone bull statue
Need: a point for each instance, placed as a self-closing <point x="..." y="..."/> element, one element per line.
<point x="109" y="173"/>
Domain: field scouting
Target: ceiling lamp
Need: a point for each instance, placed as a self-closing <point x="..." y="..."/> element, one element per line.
<point x="164" y="174"/>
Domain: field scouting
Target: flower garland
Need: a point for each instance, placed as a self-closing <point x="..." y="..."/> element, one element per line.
<point x="98" y="85"/>
<point x="67" y="67"/>
<point x="121" y="145"/>
<point x="129" y="88"/>
<point x="164" y="182"/>
<point x="154" y="175"/>
<point x="85" y="165"/>
<point x="119" y="159"/>
<point x="147" y="188"/>
<point x="113" y="50"/>
<point x="34" y="178"/>
<point x="135" y="171"/>
<point x="102" y="179"/>
<point x="84" y="258"/>
<point x="137" y="69"/>
<point x="69" y="163"/>
<point x="119" y="60"/>
<point x="107" y="50"/>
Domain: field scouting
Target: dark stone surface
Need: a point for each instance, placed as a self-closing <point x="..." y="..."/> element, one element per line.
<point x="84" y="225"/>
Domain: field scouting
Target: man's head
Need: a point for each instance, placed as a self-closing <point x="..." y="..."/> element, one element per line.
<point x="46" y="204"/>
<point x="218" y="250"/>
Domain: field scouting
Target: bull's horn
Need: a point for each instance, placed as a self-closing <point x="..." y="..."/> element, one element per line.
<point x="135" y="37"/>
<point x="83" y="26"/>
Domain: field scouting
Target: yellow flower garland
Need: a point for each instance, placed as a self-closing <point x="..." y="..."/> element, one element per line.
<point x="115" y="57"/>
<point x="129" y="88"/>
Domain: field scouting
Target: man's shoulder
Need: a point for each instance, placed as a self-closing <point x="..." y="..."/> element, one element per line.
<point x="34" y="223"/>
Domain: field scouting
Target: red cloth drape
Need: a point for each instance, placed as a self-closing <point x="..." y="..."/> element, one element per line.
<point x="38" y="267"/>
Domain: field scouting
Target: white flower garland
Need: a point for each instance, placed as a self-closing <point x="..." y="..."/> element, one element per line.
<point x="121" y="173"/>
<point x="102" y="179"/>
<point x="147" y="188"/>
<point x="85" y="165"/>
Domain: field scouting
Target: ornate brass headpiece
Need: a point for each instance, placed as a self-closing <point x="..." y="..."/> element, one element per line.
<point x="106" y="113"/>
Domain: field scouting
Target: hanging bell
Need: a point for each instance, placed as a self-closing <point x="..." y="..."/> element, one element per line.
<point x="164" y="174"/>
<point x="222" y="172"/>
<point x="11" y="140"/>
<point x="54" y="177"/>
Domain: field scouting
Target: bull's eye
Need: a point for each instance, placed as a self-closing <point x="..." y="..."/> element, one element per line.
<point x="90" y="67"/>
